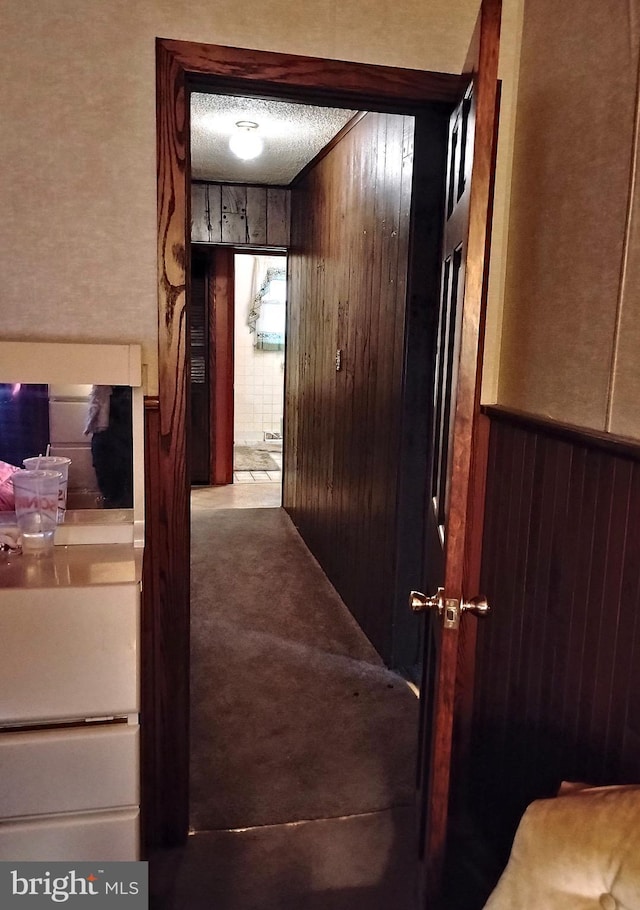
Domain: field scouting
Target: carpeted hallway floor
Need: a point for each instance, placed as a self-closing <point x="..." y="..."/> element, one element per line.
<point x="302" y="744"/>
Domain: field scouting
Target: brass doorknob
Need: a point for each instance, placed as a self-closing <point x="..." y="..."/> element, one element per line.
<point x="420" y="602"/>
<point x="477" y="605"/>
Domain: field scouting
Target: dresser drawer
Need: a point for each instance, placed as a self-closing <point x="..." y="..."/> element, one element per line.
<point x="69" y="770"/>
<point x="100" y="836"/>
<point x="68" y="652"/>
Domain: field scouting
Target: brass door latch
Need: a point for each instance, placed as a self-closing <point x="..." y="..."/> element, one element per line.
<point x="449" y="608"/>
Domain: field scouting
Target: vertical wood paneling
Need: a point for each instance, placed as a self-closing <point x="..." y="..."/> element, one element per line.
<point x="240" y="215"/>
<point x="609" y="614"/>
<point x="215" y="213"/>
<point x="257" y="215"/>
<point x="277" y="217"/>
<point x="569" y="595"/>
<point x="597" y="513"/>
<point x="557" y="626"/>
<point x="234" y="214"/>
<point x="620" y="721"/>
<point x="350" y="224"/>
<point x="557" y="671"/>
<point x="199" y="213"/>
<point x="508" y="542"/>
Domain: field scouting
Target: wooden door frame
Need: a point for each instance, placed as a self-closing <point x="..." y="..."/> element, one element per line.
<point x="221" y="299"/>
<point x="221" y="302"/>
<point x="181" y="66"/>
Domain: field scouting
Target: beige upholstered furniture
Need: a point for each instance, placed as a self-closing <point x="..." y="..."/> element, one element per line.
<point x="579" y="851"/>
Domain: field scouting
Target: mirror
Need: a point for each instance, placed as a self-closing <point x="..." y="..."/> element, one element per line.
<point x="46" y="400"/>
<point x="90" y="425"/>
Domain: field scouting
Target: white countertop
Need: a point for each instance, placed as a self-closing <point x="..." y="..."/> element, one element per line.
<point x="89" y="526"/>
<point x="72" y="566"/>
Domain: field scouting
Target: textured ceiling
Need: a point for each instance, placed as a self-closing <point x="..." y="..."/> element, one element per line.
<point x="293" y="134"/>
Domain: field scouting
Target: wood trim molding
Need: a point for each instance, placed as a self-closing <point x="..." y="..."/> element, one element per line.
<point x="168" y="537"/>
<point x="477" y="498"/>
<point x="150" y="728"/>
<point x="180" y="66"/>
<point x="221" y="328"/>
<point x="592" y="439"/>
<point x="288" y="75"/>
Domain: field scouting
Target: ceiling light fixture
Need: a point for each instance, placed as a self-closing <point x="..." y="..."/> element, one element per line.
<point x="245" y="142"/>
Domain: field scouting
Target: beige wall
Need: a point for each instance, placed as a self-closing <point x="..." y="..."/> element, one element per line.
<point x="624" y="410"/>
<point x="77" y="232"/>
<point x="568" y="315"/>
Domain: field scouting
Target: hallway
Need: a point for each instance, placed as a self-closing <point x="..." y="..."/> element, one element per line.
<point x="302" y="742"/>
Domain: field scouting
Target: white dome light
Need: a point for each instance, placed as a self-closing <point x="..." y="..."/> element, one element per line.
<point x="245" y="142"/>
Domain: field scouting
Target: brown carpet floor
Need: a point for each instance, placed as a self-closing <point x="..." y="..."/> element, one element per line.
<point x="361" y="862"/>
<point x="294" y="716"/>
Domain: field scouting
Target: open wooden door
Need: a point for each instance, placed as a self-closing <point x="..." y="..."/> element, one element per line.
<point x="455" y="494"/>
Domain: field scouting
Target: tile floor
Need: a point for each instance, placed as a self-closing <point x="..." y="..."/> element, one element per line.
<point x="256" y="476"/>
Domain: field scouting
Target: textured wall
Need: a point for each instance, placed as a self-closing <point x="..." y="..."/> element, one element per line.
<point x="624" y="413"/>
<point x="569" y="200"/>
<point x="77" y="233"/>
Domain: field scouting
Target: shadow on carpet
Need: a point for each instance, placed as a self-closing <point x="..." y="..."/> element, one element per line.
<point x="293" y="714"/>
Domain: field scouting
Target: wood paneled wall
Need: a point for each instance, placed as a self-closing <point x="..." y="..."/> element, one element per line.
<point x="558" y="672"/>
<point x="348" y="268"/>
<point x="240" y="215"/>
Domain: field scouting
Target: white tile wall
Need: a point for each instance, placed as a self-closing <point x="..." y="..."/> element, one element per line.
<point x="259" y="375"/>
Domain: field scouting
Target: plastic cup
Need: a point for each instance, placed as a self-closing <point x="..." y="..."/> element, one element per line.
<point x="53" y="463"/>
<point x="36" y="497"/>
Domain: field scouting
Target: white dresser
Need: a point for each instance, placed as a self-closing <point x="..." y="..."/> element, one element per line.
<point x="69" y="704"/>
